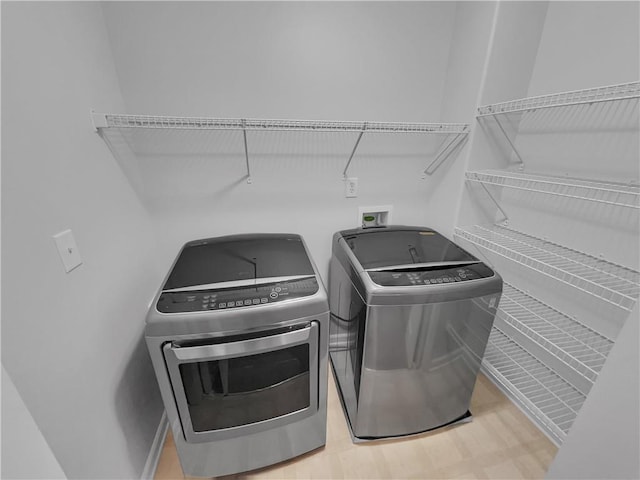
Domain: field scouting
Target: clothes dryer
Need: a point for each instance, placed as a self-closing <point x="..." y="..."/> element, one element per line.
<point x="238" y="337"/>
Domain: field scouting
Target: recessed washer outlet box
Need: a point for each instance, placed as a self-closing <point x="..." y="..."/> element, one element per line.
<point x="371" y="217"/>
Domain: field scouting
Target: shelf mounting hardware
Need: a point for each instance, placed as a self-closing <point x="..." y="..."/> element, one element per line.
<point x="451" y="147"/>
<point x="513" y="147"/>
<point x="505" y="220"/>
<point x="353" y="152"/>
<point x="246" y="149"/>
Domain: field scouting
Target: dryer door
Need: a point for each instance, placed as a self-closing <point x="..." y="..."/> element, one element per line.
<point x="242" y="384"/>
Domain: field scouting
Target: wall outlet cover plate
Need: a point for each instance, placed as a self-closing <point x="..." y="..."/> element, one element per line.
<point x="68" y="250"/>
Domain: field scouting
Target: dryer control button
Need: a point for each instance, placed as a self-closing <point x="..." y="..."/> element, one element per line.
<point x="273" y="294"/>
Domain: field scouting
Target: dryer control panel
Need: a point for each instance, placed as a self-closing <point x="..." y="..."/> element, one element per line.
<point x="427" y="276"/>
<point x="236" y="297"/>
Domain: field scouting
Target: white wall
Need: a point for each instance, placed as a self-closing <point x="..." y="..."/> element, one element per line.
<point x="540" y="48"/>
<point x="466" y="74"/>
<point x="72" y="343"/>
<point x="514" y="39"/>
<point x="585" y="45"/>
<point x="604" y="440"/>
<point x="25" y="452"/>
<point x="558" y="47"/>
<point x="599" y="141"/>
<point x="364" y="61"/>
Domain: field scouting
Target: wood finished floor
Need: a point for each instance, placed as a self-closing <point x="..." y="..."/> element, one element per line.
<point x="500" y="443"/>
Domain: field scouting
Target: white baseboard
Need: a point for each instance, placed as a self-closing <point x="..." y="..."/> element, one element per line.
<point x="156" y="449"/>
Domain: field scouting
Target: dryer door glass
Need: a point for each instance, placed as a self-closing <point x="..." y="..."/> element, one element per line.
<point x="242" y="390"/>
<point x="238" y="385"/>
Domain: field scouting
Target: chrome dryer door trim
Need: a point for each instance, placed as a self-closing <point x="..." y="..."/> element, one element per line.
<point x="175" y="356"/>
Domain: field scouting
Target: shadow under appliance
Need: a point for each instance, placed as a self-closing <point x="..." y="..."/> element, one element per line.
<point x="238" y="337"/>
<point x="411" y="314"/>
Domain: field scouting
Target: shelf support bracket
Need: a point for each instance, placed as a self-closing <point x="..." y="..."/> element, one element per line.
<point x="353" y="152"/>
<point x="513" y="147"/>
<point x="451" y="147"/>
<point x="99" y="120"/>
<point x="246" y="150"/>
<point x="505" y="220"/>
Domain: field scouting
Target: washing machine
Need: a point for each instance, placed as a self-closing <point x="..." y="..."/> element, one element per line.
<point x="411" y="314"/>
<point x="238" y="337"/>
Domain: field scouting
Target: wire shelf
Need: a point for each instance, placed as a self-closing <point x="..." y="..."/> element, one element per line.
<point x="204" y="123"/>
<point x="625" y="91"/>
<point x="618" y="194"/>
<point x="126" y="125"/>
<point x="610" y="282"/>
<point x="552" y="401"/>
<point x="578" y="346"/>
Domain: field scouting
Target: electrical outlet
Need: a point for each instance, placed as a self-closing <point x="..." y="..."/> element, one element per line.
<point x="68" y="250"/>
<point x="351" y="187"/>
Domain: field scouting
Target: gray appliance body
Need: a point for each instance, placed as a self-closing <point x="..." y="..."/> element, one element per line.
<point x="411" y="314"/>
<point x="238" y="337"/>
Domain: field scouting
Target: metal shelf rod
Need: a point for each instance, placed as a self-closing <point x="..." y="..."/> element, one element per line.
<point x="445" y="153"/>
<point x="246" y="151"/>
<point x="513" y="147"/>
<point x="353" y="152"/>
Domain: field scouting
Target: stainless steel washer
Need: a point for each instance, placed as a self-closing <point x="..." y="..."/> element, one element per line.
<point x="411" y="314"/>
<point x="238" y="337"/>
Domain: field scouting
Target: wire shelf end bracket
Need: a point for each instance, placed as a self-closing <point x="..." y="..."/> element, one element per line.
<point x="98" y="120"/>
<point x="444" y="153"/>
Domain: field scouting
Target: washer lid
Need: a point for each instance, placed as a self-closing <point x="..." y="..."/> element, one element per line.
<point x="404" y="247"/>
<point x="238" y="259"/>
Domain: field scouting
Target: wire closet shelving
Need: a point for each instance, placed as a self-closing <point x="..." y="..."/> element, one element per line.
<point x="608" y="281"/>
<point x="453" y="133"/>
<point x="617" y="194"/>
<point x="612" y="93"/>
<point x="545" y="360"/>
<point x="579" y="346"/>
<point x="552" y="401"/>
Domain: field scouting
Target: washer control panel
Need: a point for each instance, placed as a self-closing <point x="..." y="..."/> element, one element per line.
<point x="427" y="276"/>
<point x="233" y="298"/>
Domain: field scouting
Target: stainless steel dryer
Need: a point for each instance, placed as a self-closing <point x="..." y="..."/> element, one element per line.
<point x="411" y="314"/>
<point x="238" y="337"/>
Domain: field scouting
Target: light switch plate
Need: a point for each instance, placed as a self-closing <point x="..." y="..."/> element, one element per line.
<point x="68" y="250"/>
